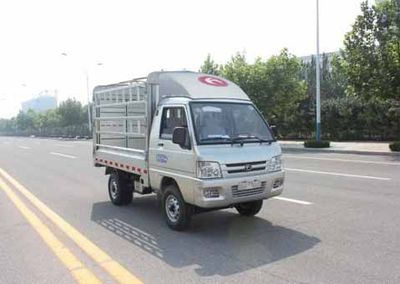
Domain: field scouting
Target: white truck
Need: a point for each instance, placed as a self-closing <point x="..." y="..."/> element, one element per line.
<point x="195" y="140"/>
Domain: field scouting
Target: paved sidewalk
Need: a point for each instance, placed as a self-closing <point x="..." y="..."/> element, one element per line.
<point x="379" y="148"/>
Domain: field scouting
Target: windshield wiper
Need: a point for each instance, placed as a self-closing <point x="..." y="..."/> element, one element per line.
<point x="215" y="139"/>
<point x="239" y="139"/>
<point x="253" y="137"/>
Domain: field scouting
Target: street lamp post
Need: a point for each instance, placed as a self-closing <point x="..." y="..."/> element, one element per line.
<point x="87" y="93"/>
<point x="88" y="101"/>
<point x="318" y="84"/>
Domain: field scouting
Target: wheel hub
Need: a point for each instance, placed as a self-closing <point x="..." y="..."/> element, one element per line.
<point x="172" y="208"/>
<point x="114" y="189"/>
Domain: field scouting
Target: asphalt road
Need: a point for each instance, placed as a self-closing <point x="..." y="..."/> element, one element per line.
<point x="338" y="221"/>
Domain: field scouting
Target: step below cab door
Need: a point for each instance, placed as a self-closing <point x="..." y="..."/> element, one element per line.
<point x="167" y="159"/>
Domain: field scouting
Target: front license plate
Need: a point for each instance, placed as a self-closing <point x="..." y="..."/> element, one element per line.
<point x="249" y="184"/>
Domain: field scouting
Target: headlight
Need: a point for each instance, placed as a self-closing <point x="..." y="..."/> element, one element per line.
<point x="208" y="170"/>
<point x="275" y="164"/>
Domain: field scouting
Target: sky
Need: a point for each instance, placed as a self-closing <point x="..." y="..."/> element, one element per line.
<point x="112" y="41"/>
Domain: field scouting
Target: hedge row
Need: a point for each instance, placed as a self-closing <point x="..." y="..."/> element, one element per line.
<point x="395" y="146"/>
<point x="67" y="131"/>
<point x="348" y="118"/>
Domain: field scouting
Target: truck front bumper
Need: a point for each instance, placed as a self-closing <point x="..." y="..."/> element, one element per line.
<point x="224" y="192"/>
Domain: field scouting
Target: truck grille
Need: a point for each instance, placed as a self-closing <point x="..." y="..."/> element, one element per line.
<point x="246" y="167"/>
<point x="247" y="192"/>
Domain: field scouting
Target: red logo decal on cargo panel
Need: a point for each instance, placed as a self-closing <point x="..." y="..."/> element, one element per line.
<point x="213" y="81"/>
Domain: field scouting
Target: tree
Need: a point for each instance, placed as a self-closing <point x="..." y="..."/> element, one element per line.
<point x="7" y="126"/>
<point x="68" y="119"/>
<point x="209" y="66"/>
<point x="70" y="112"/>
<point x="50" y="121"/>
<point x="273" y="85"/>
<point x="388" y="36"/>
<point x="24" y="121"/>
<point x="237" y="70"/>
<point x="333" y="79"/>
<point x="338" y="79"/>
<point x="372" y="52"/>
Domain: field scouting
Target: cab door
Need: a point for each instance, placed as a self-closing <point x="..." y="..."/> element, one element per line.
<point x="165" y="157"/>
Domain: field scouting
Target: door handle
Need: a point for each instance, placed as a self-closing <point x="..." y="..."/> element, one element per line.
<point x="160" y="144"/>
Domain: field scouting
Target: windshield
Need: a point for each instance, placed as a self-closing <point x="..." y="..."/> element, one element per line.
<point x="219" y="123"/>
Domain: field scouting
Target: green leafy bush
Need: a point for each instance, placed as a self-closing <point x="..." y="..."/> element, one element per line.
<point x="395" y="146"/>
<point x="315" y="144"/>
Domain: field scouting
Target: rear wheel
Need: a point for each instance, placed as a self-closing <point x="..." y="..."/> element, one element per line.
<point x="249" y="208"/>
<point x="119" y="189"/>
<point x="176" y="211"/>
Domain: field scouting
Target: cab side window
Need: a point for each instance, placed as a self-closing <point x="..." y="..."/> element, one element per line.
<point x="172" y="117"/>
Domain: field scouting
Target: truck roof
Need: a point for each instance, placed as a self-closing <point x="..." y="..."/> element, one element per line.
<point x="195" y="85"/>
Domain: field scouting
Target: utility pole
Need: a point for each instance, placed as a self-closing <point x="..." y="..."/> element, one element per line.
<point x="318" y="84"/>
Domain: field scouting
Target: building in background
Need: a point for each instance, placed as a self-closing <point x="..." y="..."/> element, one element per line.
<point x="309" y="58"/>
<point x="44" y="101"/>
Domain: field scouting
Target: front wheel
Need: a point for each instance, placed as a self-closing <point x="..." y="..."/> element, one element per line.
<point x="177" y="212"/>
<point x="249" y="208"/>
<point x="119" y="190"/>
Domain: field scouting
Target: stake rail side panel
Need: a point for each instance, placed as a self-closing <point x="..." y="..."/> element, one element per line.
<point x="121" y="126"/>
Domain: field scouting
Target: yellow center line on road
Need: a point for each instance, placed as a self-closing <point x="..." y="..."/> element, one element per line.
<point x="71" y="262"/>
<point x="116" y="270"/>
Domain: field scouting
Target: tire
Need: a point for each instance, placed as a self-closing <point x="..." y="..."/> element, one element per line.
<point x="176" y="211"/>
<point x="249" y="209"/>
<point x="119" y="190"/>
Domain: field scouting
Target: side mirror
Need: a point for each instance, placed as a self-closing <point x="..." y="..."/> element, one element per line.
<point x="180" y="136"/>
<point x="274" y="130"/>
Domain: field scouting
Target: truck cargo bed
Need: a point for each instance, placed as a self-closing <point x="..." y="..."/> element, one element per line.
<point x="121" y="125"/>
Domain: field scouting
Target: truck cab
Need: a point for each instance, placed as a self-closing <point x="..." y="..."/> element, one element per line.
<point x="207" y="147"/>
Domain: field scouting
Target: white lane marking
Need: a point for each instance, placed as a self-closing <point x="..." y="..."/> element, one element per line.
<point x="82" y="142"/>
<point x="336" y="174"/>
<point x="24" y="147"/>
<point x="62" y="145"/>
<point x="292" y="200"/>
<point x="343" y="160"/>
<point x="63" y="155"/>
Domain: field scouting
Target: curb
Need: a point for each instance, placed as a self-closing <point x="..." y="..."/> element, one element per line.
<point x="359" y="152"/>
